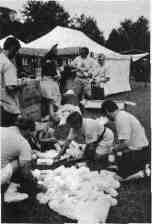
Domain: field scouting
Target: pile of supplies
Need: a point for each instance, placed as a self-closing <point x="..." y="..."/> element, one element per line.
<point x="78" y="193"/>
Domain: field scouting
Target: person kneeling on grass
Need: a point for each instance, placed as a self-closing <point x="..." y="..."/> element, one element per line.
<point x="16" y="157"/>
<point x="132" y="140"/>
<point x="87" y="130"/>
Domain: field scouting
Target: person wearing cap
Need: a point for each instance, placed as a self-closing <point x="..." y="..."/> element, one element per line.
<point x="51" y="96"/>
<point x="132" y="139"/>
<point x="16" y="154"/>
<point x="9" y="103"/>
<point x="87" y="130"/>
<point x="85" y="66"/>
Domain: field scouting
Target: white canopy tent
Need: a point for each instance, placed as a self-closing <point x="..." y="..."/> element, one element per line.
<point x="5" y="38"/>
<point x="119" y="65"/>
<point x="66" y="37"/>
<point x="136" y="57"/>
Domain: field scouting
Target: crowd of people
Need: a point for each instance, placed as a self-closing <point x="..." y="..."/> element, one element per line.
<point x="126" y="156"/>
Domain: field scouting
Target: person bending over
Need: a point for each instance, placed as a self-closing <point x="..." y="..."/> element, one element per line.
<point x="9" y="102"/>
<point x="16" y="153"/>
<point x="51" y="96"/>
<point x="132" y="140"/>
<point x="87" y="130"/>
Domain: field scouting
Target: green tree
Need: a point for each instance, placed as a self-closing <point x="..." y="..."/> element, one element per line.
<point x="130" y="35"/>
<point x="142" y="34"/>
<point x="41" y="17"/>
<point x="88" y="25"/>
<point x="114" y="41"/>
<point x="8" y="23"/>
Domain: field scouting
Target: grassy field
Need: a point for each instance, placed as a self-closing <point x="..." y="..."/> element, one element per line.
<point x="135" y="197"/>
<point x="134" y="201"/>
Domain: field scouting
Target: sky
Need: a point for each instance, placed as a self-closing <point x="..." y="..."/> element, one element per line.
<point x="108" y="13"/>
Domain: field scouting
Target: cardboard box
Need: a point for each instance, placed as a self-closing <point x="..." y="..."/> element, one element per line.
<point x="32" y="111"/>
<point x="30" y="100"/>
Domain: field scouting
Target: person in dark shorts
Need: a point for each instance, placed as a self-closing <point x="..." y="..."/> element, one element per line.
<point x="132" y="141"/>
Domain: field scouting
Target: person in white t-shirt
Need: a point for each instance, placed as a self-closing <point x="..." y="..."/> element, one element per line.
<point x="9" y="103"/>
<point x="16" y="153"/>
<point x="87" y="130"/>
<point x="101" y="74"/>
<point x="131" y="137"/>
<point x="51" y="96"/>
<point x="84" y="63"/>
<point x="85" y="66"/>
<point x="100" y="77"/>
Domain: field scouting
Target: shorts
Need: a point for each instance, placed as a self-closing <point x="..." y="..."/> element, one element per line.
<point x="133" y="161"/>
<point x="7" y="119"/>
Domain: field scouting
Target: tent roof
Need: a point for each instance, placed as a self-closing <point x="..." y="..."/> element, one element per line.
<point x="68" y="38"/>
<point x="136" y="57"/>
<point x="41" y="52"/>
<point x="3" y="40"/>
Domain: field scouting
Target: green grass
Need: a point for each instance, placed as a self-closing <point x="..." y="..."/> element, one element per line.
<point x="134" y="201"/>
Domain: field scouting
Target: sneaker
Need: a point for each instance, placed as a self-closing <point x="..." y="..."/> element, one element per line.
<point x="138" y="175"/>
<point x="147" y="170"/>
<point x="14" y="197"/>
<point x="12" y="187"/>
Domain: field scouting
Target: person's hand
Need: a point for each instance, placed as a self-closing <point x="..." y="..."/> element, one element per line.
<point x="115" y="148"/>
<point x="41" y="187"/>
<point x="56" y="158"/>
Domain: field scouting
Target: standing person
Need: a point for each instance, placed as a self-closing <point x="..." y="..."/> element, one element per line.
<point x="16" y="155"/>
<point x="87" y="130"/>
<point x="51" y="96"/>
<point x="100" y="77"/>
<point x="131" y="139"/>
<point x="85" y="66"/>
<point x="9" y="105"/>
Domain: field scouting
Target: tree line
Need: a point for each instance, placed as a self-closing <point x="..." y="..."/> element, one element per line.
<point x="41" y="17"/>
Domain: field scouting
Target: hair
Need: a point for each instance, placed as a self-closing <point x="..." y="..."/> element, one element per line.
<point x="101" y="56"/>
<point x="11" y="42"/>
<point x="49" y="68"/>
<point x="74" y="118"/>
<point x="86" y="49"/>
<point x="109" y="106"/>
<point x="25" y="124"/>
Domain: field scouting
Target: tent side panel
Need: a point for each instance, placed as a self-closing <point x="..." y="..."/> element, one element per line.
<point x="118" y="71"/>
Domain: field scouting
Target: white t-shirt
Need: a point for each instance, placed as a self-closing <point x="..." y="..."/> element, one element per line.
<point x="105" y="146"/>
<point x="87" y="65"/>
<point x="50" y="90"/>
<point x="101" y="73"/>
<point x="92" y="129"/>
<point x="8" y="78"/>
<point x="14" y="146"/>
<point x="130" y="129"/>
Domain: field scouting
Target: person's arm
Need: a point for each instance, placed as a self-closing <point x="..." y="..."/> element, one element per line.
<point x="63" y="149"/>
<point x="123" y="132"/>
<point x="51" y="107"/>
<point x="57" y="147"/>
<point x="66" y="145"/>
<point x="7" y="171"/>
<point x="10" y="77"/>
<point x="25" y="163"/>
<point x="121" y="146"/>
